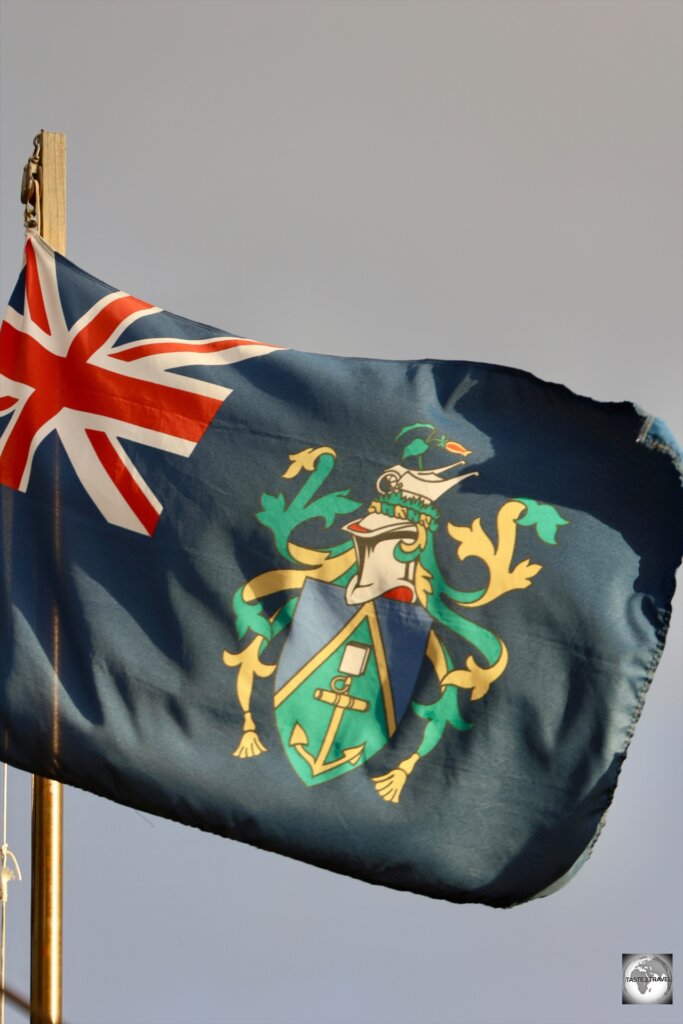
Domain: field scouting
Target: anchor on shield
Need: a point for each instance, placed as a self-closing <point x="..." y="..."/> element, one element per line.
<point x="353" y="663"/>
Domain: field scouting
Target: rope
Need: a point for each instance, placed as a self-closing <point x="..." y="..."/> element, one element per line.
<point x="7" y="875"/>
<point x="37" y="1016"/>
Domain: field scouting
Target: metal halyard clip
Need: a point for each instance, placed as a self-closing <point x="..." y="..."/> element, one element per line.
<point x="30" y="188"/>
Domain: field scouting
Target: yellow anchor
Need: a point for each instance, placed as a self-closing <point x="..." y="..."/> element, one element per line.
<point x="353" y="664"/>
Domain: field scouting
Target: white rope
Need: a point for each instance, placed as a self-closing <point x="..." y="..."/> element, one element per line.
<point x="7" y="875"/>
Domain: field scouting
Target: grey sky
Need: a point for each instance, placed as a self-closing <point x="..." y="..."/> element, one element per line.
<point x="492" y="181"/>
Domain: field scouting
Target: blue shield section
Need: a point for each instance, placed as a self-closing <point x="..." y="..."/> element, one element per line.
<point x="404" y="628"/>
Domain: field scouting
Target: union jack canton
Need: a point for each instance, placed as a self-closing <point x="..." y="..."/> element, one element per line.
<point x="94" y="388"/>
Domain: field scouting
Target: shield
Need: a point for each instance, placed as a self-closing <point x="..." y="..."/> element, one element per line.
<point x="345" y="678"/>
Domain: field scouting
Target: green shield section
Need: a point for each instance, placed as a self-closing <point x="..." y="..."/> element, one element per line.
<point x="337" y="710"/>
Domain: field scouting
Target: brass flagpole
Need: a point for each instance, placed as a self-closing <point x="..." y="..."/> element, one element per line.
<point x="49" y="200"/>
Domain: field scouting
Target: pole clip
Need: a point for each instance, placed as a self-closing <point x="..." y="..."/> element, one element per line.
<point x="30" y="188"/>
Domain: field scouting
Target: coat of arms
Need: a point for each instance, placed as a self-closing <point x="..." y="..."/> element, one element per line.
<point x="363" y="615"/>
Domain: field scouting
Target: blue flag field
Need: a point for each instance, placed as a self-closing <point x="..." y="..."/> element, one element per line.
<point x="396" y="619"/>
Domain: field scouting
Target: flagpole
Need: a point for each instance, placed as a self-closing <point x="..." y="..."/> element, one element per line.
<point x="47" y="796"/>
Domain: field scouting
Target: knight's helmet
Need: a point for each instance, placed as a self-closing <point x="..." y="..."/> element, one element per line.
<point x="404" y="507"/>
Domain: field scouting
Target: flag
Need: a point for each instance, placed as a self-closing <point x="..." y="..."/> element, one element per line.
<point x="396" y="619"/>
